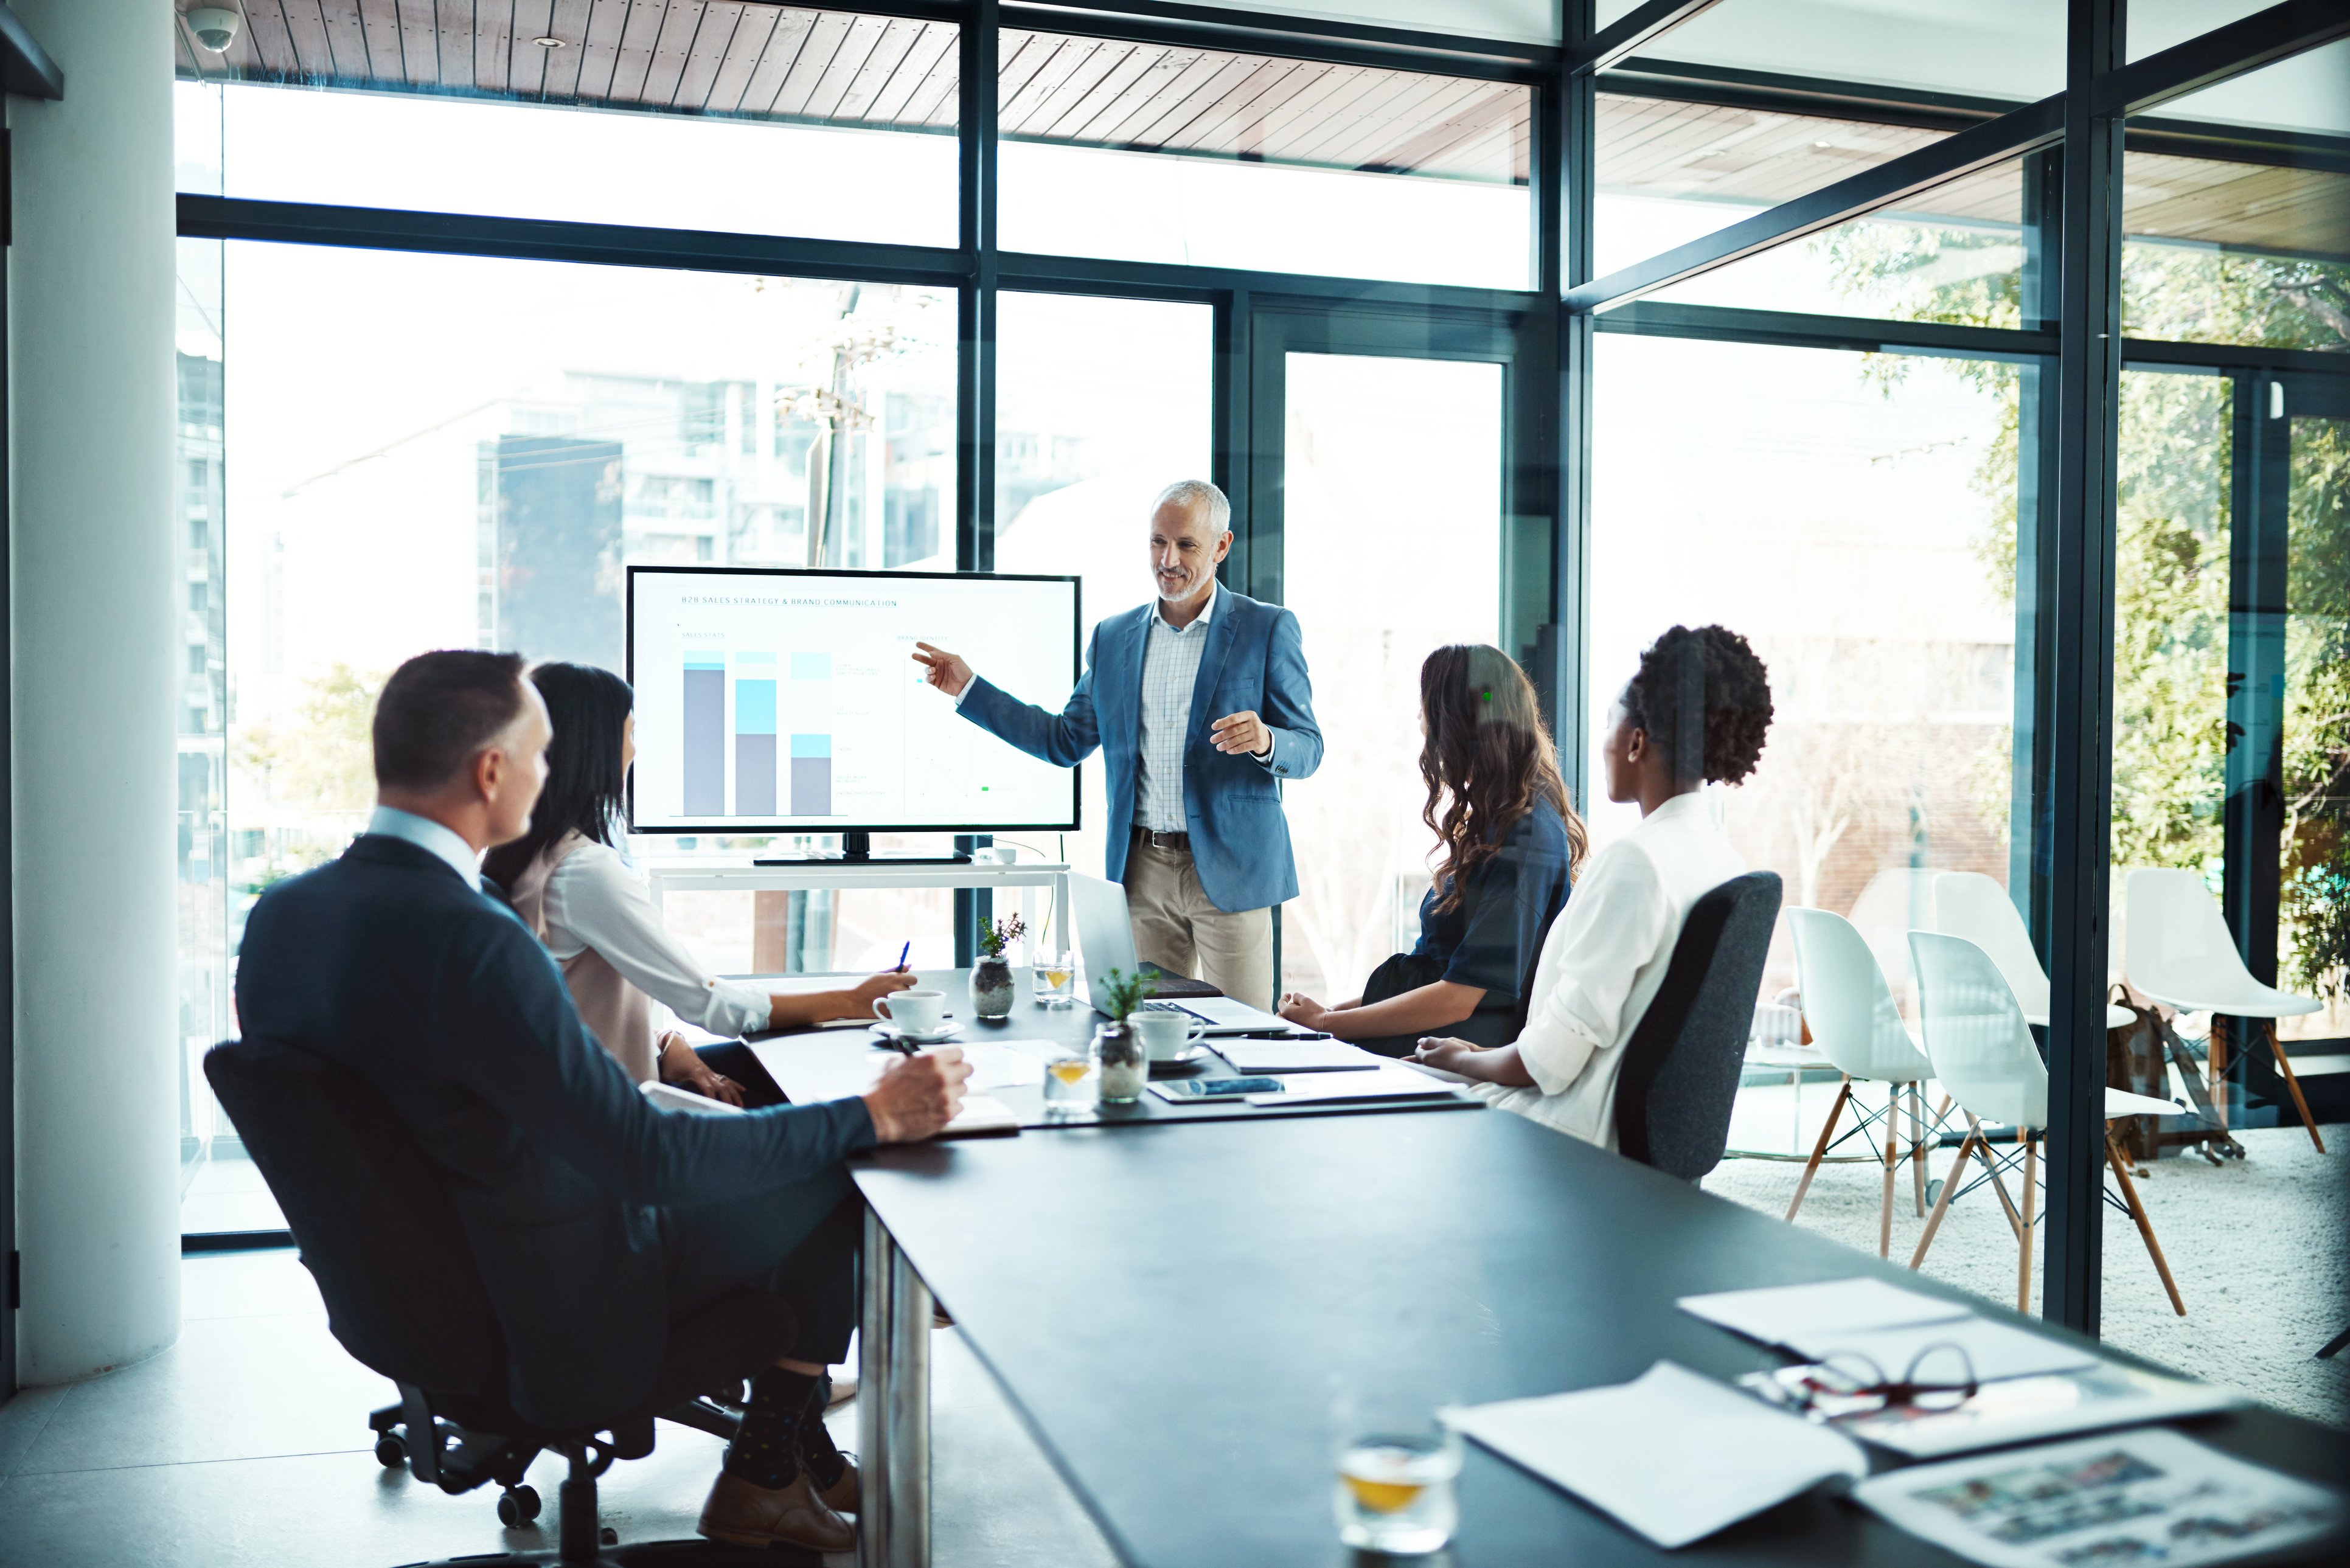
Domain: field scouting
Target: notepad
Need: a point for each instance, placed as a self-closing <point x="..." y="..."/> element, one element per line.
<point x="1672" y="1455"/>
<point x="1295" y="1055"/>
<point x="1787" y="1315"/>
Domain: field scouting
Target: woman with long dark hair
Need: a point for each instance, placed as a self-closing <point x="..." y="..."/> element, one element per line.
<point x="1509" y="842"/>
<point x="569" y="883"/>
<point x="1695" y="713"/>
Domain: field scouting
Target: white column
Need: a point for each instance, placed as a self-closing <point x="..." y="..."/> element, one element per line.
<point x="94" y="610"/>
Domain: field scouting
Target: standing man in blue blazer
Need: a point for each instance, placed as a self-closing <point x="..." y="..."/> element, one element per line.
<point x="1200" y="704"/>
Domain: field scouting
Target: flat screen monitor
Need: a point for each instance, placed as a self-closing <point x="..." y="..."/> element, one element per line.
<point x="789" y="702"/>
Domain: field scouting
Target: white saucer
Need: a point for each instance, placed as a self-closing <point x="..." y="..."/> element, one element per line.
<point x="1190" y="1053"/>
<point x="944" y="1032"/>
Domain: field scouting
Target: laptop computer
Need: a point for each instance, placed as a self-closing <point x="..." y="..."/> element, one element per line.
<point x="1106" y="941"/>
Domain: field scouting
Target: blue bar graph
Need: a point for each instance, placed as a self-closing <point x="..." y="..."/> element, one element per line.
<point x="704" y="756"/>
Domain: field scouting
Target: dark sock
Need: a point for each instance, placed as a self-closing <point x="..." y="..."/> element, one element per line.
<point x="825" y="1461"/>
<point x="765" y="1449"/>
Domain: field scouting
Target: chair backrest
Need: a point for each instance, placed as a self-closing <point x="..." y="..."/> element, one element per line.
<point x="2179" y="949"/>
<point x="1682" y="1063"/>
<point x="1971" y="905"/>
<point x="1981" y="1049"/>
<point x="371" y="1213"/>
<point x="1847" y="1004"/>
<point x="1896" y="901"/>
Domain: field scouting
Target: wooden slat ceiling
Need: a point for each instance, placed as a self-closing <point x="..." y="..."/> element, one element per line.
<point x="715" y="57"/>
<point x="1651" y="147"/>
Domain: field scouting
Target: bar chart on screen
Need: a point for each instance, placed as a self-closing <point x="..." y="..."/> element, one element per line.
<point x="790" y="699"/>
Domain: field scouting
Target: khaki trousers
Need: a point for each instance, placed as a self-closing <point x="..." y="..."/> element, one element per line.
<point x="1176" y="928"/>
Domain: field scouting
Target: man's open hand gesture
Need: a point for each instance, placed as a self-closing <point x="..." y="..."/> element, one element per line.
<point x="945" y="670"/>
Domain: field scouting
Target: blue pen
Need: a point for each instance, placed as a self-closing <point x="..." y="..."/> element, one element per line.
<point x="904" y="950"/>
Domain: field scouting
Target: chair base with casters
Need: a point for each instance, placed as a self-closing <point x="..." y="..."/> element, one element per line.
<point x="519" y="1502"/>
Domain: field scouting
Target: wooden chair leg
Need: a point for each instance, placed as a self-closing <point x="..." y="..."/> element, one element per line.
<point x="2024" y="1236"/>
<point x="2293" y="1084"/>
<point x="1942" y="1203"/>
<point x="1918" y="1147"/>
<point x="1891" y="1145"/>
<point x="1997" y="1182"/>
<point x="1820" y="1148"/>
<point x="2215" y="1051"/>
<point x="2145" y="1226"/>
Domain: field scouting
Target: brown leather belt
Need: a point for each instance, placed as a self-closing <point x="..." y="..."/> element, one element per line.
<point x="1178" y="841"/>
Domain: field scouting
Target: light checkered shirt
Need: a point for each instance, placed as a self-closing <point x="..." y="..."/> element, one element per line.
<point x="1170" y="665"/>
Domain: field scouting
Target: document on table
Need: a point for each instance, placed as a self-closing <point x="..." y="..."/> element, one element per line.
<point x="2149" y="1496"/>
<point x="1991" y="1350"/>
<point x="1672" y="1455"/>
<point x="1787" y="1315"/>
<point x="811" y="1075"/>
<point x="1295" y="1055"/>
<point x="1388" y="1081"/>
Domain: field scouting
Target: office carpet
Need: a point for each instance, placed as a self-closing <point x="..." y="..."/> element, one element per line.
<point x="2260" y="1248"/>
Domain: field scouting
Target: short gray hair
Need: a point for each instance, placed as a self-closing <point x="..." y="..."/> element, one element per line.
<point x="1189" y="492"/>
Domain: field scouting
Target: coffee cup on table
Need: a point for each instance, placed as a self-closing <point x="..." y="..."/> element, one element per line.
<point x="914" y="1011"/>
<point x="1166" y="1034"/>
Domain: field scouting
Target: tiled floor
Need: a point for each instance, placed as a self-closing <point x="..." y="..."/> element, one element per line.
<point x="228" y="1195"/>
<point x="245" y="1446"/>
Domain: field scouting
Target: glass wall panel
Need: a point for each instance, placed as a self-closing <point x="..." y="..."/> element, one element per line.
<point x="1854" y="516"/>
<point x="2313" y="928"/>
<point x="1995" y="48"/>
<point x="1099" y="405"/>
<point x="1207" y="157"/>
<point x="2307" y="92"/>
<point x="761" y="120"/>
<point x="1955" y="254"/>
<point x="1382" y="457"/>
<point x="1521" y="21"/>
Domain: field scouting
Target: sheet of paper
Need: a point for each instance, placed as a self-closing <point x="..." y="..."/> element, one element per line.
<point x="808" y="1076"/>
<point x="1778" y="1314"/>
<point x="1672" y="1455"/>
<point x="1294" y="1056"/>
<point x="982" y="1116"/>
<point x="1388" y="1081"/>
<point x="2147" y="1496"/>
<point x="1992" y="1349"/>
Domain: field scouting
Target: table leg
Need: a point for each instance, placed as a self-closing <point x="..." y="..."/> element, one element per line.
<point x="893" y="1408"/>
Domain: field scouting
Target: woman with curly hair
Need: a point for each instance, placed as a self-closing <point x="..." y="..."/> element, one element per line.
<point x="1696" y="713"/>
<point x="1510" y="842"/>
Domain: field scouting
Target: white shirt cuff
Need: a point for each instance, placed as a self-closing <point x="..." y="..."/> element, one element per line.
<point x="958" y="697"/>
<point x="736" y="1009"/>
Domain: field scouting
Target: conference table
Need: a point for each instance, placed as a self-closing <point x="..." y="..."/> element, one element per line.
<point x="1169" y="1306"/>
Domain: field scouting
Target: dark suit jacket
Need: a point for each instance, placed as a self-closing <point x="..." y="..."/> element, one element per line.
<point x="387" y="964"/>
<point x="1255" y="660"/>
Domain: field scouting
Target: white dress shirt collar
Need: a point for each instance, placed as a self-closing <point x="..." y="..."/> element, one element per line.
<point x="431" y="837"/>
<point x="1158" y="611"/>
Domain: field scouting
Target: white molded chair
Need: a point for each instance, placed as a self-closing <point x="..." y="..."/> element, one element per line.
<point x="1859" y="1031"/>
<point x="1983" y="1054"/>
<point x="1896" y="901"/>
<point x="1971" y="905"/>
<point x="2181" y="954"/>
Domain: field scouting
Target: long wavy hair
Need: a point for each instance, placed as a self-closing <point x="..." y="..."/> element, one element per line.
<point x="584" y="780"/>
<point x="1487" y="760"/>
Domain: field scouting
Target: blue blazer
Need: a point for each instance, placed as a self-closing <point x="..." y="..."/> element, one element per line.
<point x="1255" y="660"/>
<point x="385" y="963"/>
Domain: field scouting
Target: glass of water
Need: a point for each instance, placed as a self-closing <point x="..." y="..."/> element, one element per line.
<point x="1393" y="1490"/>
<point x="1071" y="1082"/>
<point x="1054" y="981"/>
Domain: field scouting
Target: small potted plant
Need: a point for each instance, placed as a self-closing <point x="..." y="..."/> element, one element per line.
<point x="1118" y="1050"/>
<point x="991" y="977"/>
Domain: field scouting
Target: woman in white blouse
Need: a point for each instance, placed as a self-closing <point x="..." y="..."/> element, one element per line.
<point x="1695" y="713"/>
<point x="596" y="915"/>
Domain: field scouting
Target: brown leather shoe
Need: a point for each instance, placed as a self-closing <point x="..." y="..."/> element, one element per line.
<point x="843" y="1495"/>
<point x="789" y="1515"/>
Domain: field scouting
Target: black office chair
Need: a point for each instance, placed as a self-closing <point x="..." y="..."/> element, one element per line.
<point x="1682" y="1063"/>
<point x="372" y="1216"/>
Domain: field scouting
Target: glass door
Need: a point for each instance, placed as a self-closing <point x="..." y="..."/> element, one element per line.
<point x="1382" y="514"/>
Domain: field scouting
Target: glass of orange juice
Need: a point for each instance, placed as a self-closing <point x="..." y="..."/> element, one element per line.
<point x="1396" y="1463"/>
<point x="1072" y="1083"/>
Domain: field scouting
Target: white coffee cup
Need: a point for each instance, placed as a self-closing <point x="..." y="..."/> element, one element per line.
<point x="1166" y="1034"/>
<point x="914" y="1011"/>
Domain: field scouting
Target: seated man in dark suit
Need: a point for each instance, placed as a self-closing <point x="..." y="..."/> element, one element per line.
<point x="594" y="1219"/>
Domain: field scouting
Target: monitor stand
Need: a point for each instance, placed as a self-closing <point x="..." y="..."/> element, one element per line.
<point x="856" y="849"/>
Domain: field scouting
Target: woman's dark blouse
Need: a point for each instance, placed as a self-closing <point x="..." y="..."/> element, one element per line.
<point x="1492" y="939"/>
